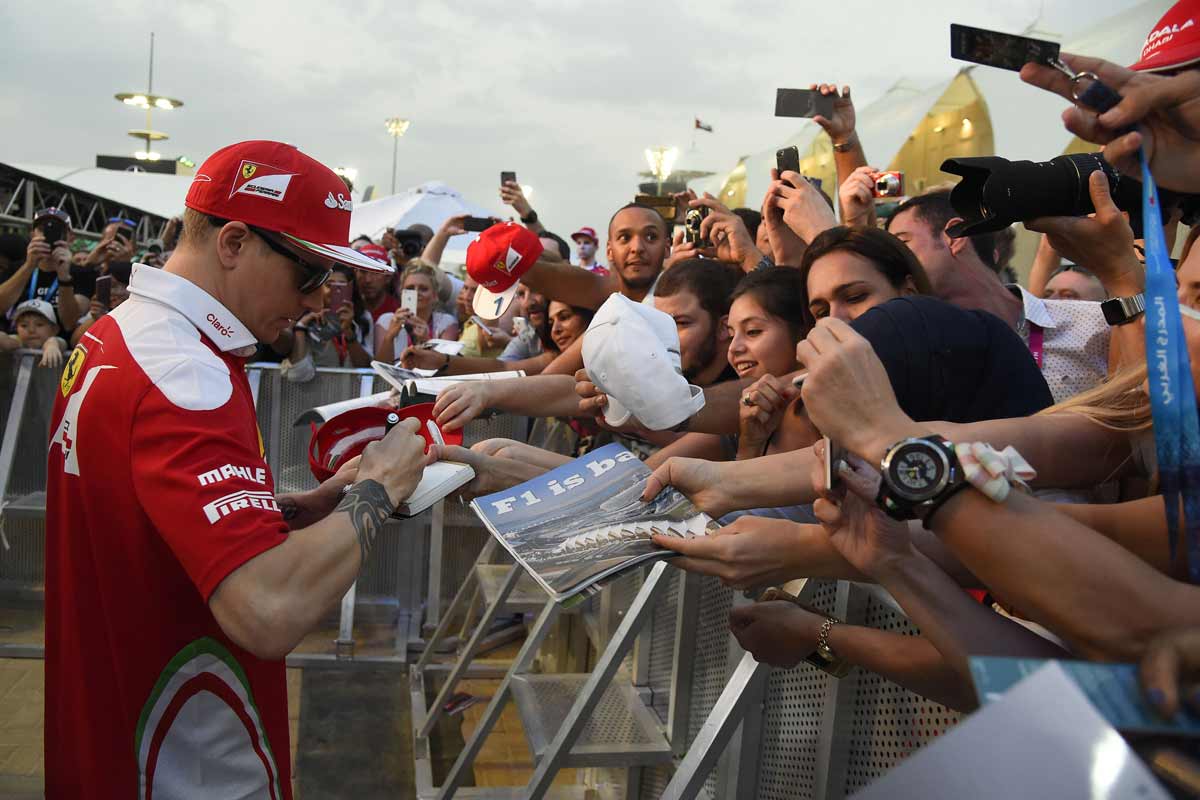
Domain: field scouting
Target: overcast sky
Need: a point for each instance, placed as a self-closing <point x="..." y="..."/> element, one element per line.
<point x="568" y="94"/>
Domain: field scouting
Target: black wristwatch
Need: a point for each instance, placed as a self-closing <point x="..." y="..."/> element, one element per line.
<point x="531" y="219"/>
<point x="1123" y="310"/>
<point x="919" y="475"/>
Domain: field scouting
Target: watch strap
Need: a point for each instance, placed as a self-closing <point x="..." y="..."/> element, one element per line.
<point x="531" y="219"/>
<point x="1123" y="310"/>
<point x="846" y="146"/>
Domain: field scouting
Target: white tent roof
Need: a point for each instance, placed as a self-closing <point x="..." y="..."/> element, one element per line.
<point x="431" y="204"/>
<point x="147" y="191"/>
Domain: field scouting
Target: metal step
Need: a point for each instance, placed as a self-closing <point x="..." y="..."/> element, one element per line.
<point x="518" y="793"/>
<point x="527" y="596"/>
<point x="621" y="733"/>
<point x="32" y="505"/>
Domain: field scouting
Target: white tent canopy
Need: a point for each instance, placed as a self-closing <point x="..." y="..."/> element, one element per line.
<point x="431" y="204"/>
<point x="155" y="193"/>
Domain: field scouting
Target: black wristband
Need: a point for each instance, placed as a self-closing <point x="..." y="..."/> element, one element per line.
<point x="531" y="219"/>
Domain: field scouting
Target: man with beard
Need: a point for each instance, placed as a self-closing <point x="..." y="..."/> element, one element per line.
<point x="586" y="244"/>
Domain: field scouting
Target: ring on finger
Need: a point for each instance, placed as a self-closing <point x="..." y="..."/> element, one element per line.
<point x="747" y="400"/>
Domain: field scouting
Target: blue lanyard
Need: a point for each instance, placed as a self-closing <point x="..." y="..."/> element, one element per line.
<point x="33" y="287"/>
<point x="1172" y="394"/>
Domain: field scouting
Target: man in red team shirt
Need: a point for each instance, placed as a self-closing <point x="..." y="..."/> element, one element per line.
<point x="176" y="580"/>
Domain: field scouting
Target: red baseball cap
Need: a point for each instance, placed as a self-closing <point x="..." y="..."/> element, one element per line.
<point x="1175" y="40"/>
<point x="375" y="251"/>
<point x="497" y="260"/>
<point x="273" y="186"/>
<point x="589" y="233"/>
<point x="348" y="434"/>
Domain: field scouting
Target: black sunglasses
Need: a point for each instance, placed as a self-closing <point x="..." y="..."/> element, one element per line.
<point x="313" y="276"/>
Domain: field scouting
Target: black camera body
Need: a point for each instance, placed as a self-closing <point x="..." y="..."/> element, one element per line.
<point x="691" y="226"/>
<point x="995" y="192"/>
<point x="410" y="243"/>
<point x="53" y="229"/>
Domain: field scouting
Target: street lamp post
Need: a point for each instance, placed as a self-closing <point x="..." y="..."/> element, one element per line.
<point x="148" y="100"/>
<point x="396" y="127"/>
<point x="661" y="161"/>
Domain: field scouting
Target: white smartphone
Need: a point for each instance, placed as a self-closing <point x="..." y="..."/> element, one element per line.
<point x="834" y="453"/>
<point x="519" y="325"/>
<point x="408" y="300"/>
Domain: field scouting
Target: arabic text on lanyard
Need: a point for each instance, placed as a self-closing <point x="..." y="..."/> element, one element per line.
<point x="1172" y="394"/>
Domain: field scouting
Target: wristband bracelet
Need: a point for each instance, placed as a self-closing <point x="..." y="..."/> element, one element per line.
<point x="994" y="473"/>
<point x="531" y="219"/>
<point x="846" y="146"/>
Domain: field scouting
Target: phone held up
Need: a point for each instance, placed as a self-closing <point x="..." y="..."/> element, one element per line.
<point x="787" y="160"/>
<point x="408" y="300"/>
<point x="507" y="177"/>
<point x="803" y="103"/>
<point x="665" y="206"/>
<point x="104" y="293"/>
<point x="340" y="294"/>
<point x="54" y="230"/>
<point x="477" y="224"/>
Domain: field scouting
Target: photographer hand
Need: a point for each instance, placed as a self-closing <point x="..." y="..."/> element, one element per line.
<point x="682" y="251"/>
<point x="37" y="251"/>
<point x="804" y="209"/>
<point x="787" y="249"/>
<point x="1165" y="109"/>
<point x="511" y="194"/>
<point x="60" y="257"/>
<point x="841" y="127"/>
<point x="857" y="196"/>
<point x="731" y="240"/>
<point x="1102" y="242"/>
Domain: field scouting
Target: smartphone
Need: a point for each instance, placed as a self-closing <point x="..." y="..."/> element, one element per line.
<point x="340" y="294"/>
<point x="53" y="230"/>
<point x="482" y="323"/>
<point x="834" y="454"/>
<point x="505" y="177"/>
<point x="124" y="233"/>
<point x="104" y="291"/>
<point x="1001" y="50"/>
<point x="803" y="103"/>
<point x="408" y="300"/>
<point x="787" y="159"/>
<point x="477" y="224"/>
<point x="519" y="325"/>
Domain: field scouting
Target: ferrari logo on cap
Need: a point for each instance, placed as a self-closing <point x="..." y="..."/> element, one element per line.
<point x="261" y="180"/>
<point x="71" y="371"/>
<point x="248" y="171"/>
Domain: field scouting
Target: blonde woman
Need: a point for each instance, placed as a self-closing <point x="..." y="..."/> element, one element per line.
<point x="398" y="330"/>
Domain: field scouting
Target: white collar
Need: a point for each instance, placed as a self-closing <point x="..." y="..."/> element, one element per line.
<point x="1035" y="308"/>
<point x="201" y="309"/>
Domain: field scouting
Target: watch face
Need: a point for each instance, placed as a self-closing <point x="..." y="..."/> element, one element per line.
<point x="918" y="471"/>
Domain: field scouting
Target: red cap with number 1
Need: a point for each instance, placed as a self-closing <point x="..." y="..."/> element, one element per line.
<point x="497" y="260"/>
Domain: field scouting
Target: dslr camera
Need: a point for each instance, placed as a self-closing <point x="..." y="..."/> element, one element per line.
<point x="691" y="226"/>
<point x="409" y="241"/>
<point x="889" y="184"/>
<point x="995" y="192"/>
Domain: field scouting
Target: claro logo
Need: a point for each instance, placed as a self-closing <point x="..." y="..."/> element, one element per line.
<point x="225" y="331"/>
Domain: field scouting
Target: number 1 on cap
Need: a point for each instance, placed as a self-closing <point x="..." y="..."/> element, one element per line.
<point x="499" y="302"/>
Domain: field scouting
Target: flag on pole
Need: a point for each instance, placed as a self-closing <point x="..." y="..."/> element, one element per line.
<point x="701" y="126"/>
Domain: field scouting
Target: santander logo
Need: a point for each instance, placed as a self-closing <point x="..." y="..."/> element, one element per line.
<point x="224" y="330"/>
<point x="341" y="201"/>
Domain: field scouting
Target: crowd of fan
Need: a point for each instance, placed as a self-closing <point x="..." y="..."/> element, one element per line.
<point x="903" y="331"/>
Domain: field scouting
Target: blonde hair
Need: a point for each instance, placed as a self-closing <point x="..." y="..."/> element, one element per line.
<point x="1119" y="403"/>
<point x="416" y="266"/>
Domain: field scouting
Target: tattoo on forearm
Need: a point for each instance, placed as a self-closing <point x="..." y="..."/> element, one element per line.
<point x="287" y="506"/>
<point x="368" y="505"/>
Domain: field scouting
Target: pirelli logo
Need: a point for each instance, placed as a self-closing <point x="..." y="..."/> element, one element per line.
<point x="224" y="506"/>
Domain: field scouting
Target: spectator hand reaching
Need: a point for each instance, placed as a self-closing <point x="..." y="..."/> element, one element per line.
<point x="776" y="632"/>
<point x="461" y="403"/>
<point x="760" y="411"/>
<point x="841" y="127"/>
<point x="731" y="240"/>
<point x="52" y="354"/>
<point x="1171" y="669"/>
<point x="804" y="209"/>
<point x="511" y="194"/>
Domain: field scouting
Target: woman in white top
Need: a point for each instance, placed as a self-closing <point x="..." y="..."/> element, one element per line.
<point x="396" y="331"/>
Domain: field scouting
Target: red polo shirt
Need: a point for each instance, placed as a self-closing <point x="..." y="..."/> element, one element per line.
<point x="157" y="490"/>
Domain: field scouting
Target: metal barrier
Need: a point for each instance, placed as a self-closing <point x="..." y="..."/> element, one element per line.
<point x="779" y="734"/>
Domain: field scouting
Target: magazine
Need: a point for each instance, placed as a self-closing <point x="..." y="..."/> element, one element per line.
<point x="411" y="383"/>
<point x="583" y="523"/>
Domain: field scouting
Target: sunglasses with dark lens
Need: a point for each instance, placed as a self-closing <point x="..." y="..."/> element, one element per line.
<point x="313" y="277"/>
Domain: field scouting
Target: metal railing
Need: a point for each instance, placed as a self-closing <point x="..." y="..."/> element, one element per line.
<point x="737" y="729"/>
